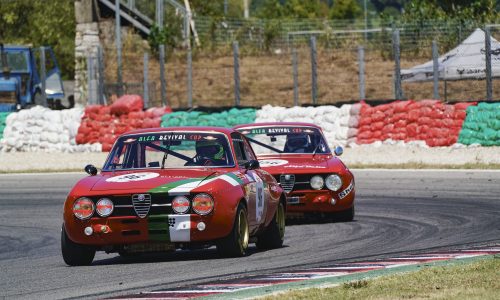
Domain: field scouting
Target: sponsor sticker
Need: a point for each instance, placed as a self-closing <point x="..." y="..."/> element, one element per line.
<point x="272" y="162"/>
<point x="345" y="192"/>
<point x="133" y="177"/>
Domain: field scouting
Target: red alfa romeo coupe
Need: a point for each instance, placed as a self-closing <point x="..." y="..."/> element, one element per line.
<point x="314" y="179"/>
<point x="168" y="188"/>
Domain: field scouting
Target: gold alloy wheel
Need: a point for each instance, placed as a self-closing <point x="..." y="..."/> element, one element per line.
<point x="243" y="230"/>
<point x="280" y="219"/>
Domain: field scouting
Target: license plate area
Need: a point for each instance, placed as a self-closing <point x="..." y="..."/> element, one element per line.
<point x="293" y="200"/>
<point x="150" y="247"/>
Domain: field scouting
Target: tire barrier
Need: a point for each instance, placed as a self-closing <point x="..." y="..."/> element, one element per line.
<point x="103" y="124"/>
<point x="228" y="118"/>
<point x="3" y="117"/>
<point x="482" y="125"/>
<point x="339" y="124"/>
<point x="42" y="129"/>
<point x="431" y="121"/>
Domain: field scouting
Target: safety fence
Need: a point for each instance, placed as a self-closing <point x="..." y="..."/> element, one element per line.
<point x="305" y="73"/>
<point x="428" y="123"/>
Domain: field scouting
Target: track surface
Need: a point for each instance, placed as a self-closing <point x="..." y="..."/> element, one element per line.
<point x="397" y="212"/>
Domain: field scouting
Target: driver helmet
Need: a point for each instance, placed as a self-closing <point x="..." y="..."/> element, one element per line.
<point x="296" y="142"/>
<point x="210" y="149"/>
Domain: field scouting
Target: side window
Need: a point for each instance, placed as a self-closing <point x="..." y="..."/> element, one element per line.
<point x="239" y="149"/>
<point x="248" y="150"/>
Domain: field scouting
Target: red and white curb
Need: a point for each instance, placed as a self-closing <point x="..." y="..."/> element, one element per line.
<point x="337" y="270"/>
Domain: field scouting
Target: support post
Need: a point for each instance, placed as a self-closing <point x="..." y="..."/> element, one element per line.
<point x="487" y="48"/>
<point x="361" y="66"/>
<point x="435" y="69"/>
<point x="43" y="76"/>
<point x="100" y="70"/>
<point x="190" y="76"/>
<point x="163" y="81"/>
<point x="236" y="59"/>
<point x="314" y="70"/>
<point x="159" y="13"/>
<point x="295" y="64"/>
<point x="118" y="42"/>
<point x="398" y="91"/>
<point x="146" y="80"/>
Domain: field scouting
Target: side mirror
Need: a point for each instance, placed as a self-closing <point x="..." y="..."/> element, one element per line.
<point x="338" y="150"/>
<point x="91" y="170"/>
<point x="252" y="164"/>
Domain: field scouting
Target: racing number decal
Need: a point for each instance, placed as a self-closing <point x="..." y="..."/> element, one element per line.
<point x="133" y="177"/>
<point x="260" y="197"/>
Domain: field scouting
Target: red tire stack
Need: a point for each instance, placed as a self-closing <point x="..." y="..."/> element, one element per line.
<point x="431" y="121"/>
<point x="103" y="124"/>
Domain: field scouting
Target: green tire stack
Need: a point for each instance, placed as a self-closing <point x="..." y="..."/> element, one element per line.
<point x="3" y="117"/>
<point x="482" y="125"/>
<point x="228" y="118"/>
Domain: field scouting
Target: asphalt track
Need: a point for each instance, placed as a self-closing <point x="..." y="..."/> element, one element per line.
<point x="397" y="212"/>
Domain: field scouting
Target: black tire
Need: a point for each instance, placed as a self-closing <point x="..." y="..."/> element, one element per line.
<point x="236" y="243"/>
<point x="75" y="254"/>
<point x="274" y="235"/>
<point x="346" y="215"/>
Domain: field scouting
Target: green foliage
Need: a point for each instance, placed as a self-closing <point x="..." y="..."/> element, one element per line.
<point x="41" y="23"/>
<point x="345" y="9"/>
<point x="293" y="9"/>
<point x="168" y="35"/>
<point x="482" y="11"/>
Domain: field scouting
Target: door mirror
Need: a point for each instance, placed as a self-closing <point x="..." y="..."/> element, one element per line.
<point x="91" y="170"/>
<point x="338" y="150"/>
<point x="252" y="164"/>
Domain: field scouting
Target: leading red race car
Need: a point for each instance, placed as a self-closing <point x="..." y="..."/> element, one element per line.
<point x="297" y="155"/>
<point x="167" y="188"/>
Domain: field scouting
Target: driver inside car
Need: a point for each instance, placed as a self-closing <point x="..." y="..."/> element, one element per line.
<point x="297" y="143"/>
<point x="209" y="153"/>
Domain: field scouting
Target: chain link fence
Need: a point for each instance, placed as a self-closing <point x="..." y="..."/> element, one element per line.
<point x="306" y="62"/>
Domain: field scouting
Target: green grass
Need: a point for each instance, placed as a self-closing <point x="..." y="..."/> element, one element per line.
<point x="476" y="280"/>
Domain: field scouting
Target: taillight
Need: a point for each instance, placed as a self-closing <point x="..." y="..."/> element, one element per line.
<point x="203" y="204"/>
<point x="180" y="204"/>
<point x="104" y="207"/>
<point x="83" y="208"/>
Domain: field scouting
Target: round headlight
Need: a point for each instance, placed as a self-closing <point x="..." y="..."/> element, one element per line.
<point x="83" y="208"/>
<point x="333" y="182"/>
<point x="180" y="204"/>
<point x="317" y="182"/>
<point x="203" y="204"/>
<point x="104" y="207"/>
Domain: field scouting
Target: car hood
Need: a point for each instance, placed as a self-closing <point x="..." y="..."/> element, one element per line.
<point x="155" y="180"/>
<point x="299" y="163"/>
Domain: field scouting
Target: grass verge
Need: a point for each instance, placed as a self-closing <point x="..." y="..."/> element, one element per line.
<point x="476" y="280"/>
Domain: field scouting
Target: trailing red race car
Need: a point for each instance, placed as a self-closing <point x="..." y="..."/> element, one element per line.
<point x="298" y="156"/>
<point x="167" y="188"/>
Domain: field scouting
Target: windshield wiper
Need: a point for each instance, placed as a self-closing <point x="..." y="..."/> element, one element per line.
<point x="166" y="150"/>
<point x="316" y="149"/>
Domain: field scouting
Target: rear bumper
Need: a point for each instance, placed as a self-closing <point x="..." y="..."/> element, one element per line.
<point x="115" y="231"/>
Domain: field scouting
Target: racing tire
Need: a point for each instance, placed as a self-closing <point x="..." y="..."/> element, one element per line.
<point x="274" y="234"/>
<point x="75" y="254"/>
<point x="236" y="243"/>
<point x="346" y="215"/>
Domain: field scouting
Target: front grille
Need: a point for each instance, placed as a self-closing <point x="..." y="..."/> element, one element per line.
<point x="287" y="181"/>
<point x="142" y="204"/>
<point x="125" y="207"/>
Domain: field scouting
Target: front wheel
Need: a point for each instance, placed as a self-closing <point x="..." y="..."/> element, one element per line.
<point x="274" y="234"/>
<point x="75" y="254"/>
<point x="236" y="243"/>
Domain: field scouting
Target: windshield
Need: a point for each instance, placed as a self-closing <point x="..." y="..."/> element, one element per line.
<point x="286" y="139"/>
<point x="175" y="149"/>
<point x="17" y="61"/>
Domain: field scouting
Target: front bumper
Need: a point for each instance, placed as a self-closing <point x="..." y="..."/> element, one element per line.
<point x="114" y="231"/>
<point x="322" y="201"/>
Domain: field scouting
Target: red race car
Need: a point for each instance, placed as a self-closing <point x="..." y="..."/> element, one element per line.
<point x="297" y="155"/>
<point x="168" y="188"/>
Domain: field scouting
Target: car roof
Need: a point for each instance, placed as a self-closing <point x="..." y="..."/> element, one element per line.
<point x="224" y="130"/>
<point x="282" y="124"/>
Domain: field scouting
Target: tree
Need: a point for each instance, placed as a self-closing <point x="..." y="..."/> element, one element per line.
<point x="345" y="10"/>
